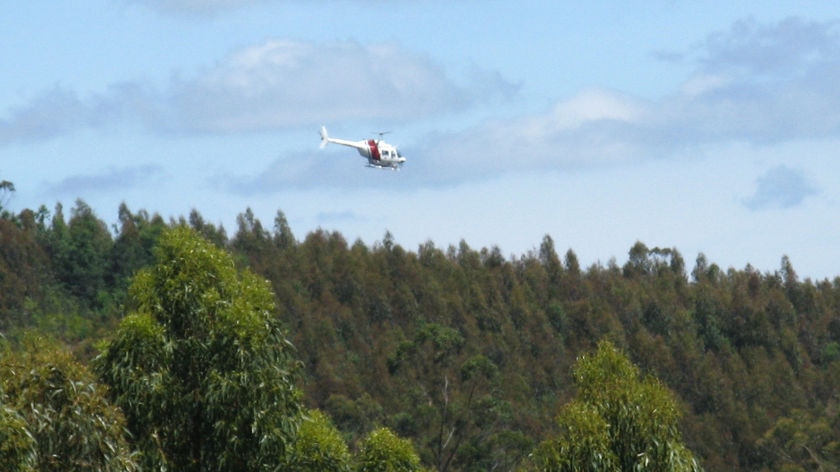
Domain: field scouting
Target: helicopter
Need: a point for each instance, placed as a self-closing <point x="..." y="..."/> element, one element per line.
<point x="379" y="154"/>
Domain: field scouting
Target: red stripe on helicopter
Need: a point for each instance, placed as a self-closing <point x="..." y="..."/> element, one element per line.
<point x="374" y="150"/>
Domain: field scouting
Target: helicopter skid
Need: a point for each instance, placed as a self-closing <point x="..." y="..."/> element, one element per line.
<point x="374" y="166"/>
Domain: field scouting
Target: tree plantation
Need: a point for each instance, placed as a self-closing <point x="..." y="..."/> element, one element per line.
<point x="172" y="345"/>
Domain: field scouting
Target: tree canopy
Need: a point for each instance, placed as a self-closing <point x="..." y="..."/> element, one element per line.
<point x="468" y="354"/>
<point x="618" y="420"/>
<point x="55" y="416"/>
<point x="201" y="366"/>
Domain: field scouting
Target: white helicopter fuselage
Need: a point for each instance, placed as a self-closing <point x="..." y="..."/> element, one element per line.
<point x="377" y="152"/>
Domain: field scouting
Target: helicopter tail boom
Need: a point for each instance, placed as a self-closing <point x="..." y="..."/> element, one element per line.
<point x="326" y="139"/>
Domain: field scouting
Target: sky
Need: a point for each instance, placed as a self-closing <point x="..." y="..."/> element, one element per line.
<point x="710" y="127"/>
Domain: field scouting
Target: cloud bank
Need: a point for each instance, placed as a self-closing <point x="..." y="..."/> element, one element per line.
<point x="288" y="83"/>
<point x="276" y="84"/>
<point x="756" y="84"/>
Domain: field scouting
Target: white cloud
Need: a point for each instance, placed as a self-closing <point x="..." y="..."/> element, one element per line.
<point x="755" y="84"/>
<point x="595" y="127"/>
<point x="288" y="83"/>
<point x="594" y="105"/>
<point x="276" y="84"/>
<point x="583" y="110"/>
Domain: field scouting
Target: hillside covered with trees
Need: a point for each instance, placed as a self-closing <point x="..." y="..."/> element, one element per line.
<point x="480" y="362"/>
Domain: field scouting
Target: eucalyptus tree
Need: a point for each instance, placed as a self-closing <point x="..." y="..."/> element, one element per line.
<point x="201" y="366"/>
<point x="618" y="421"/>
<point x="55" y="416"/>
<point x="451" y="398"/>
<point x="384" y="451"/>
<point x="6" y="189"/>
<point x="319" y="447"/>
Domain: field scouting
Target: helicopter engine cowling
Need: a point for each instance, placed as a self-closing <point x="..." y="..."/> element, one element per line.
<point x="373" y="150"/>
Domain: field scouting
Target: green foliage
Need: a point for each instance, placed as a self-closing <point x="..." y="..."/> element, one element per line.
<point x="319" y="447"/>
<point x="454" y="397"/>
<point x="133" y="247"/>
<point x="801" y="442"/>
<point x="17" y="446"/>
<point x="584" y="445"/>
<point x="81" y="250"/>
<point x="464" y="351"/>
<point x="618" y="421"/>
<point x="55" y="416"/>
<point x="24" y="266"/>
<point x="201" y="367"/>
<point x="383" y="451"/>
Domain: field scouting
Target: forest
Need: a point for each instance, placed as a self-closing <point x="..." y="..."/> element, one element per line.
<point x="393" y="358"/>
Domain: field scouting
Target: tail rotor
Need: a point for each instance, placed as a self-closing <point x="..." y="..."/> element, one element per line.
<point x="325" y="138"/>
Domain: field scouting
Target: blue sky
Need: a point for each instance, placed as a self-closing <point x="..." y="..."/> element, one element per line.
<point x="711" y="127"/>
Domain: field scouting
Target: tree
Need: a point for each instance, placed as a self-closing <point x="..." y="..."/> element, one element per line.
<point x="384" y="451"/>
<point x="17" y="446"/>
<point x="283" y="236"/>
<point x="453" y="400"/>
<point x="6" y="188"/>
<point x="319" y="447"/>
<point x="55" y="416"/>
<point x="81" y="252"/>
<point x="584" y="446"/>
<point x="215" y="235"/>
<point x="801" y="442"/>
<point x="617" y="421"/>
<point x="24" y="268"/>
<point x="132" y="249"/>
<point x="201" y="367"/>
